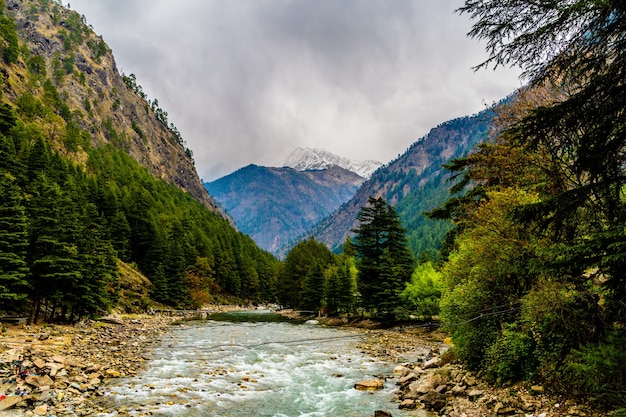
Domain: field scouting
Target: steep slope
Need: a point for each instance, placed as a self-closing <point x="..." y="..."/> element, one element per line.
<point x="98" y="186"/>
<point x="304" y="159"/>
<point x="276" y="205"/>
<point x="414" y="183"/>
<point x="93" y="94"/>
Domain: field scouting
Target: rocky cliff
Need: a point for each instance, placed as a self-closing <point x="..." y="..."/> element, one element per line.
<point x="62" y="56"/>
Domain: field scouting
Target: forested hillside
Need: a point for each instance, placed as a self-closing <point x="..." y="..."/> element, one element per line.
<point x="94" y="177"/>
<point x="414" y="183"/>
<point x="277" y="205"/>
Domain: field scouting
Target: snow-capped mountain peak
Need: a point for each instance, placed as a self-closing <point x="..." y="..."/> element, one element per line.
<point x="305" y="159"/>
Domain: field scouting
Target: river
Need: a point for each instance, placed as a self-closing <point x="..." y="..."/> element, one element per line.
<point x="255" y="364"/>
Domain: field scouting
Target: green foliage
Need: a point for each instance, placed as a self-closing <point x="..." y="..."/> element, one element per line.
<point x="13" y="245"/>
<point x="513" y="356"/>
<point x="299" y="264"/>
<point x="384" y="260"/>
<point x="340" y="289"/>
<point x="534" y="281"/>
<point x="8" y="40"/>
<point x="312" y="294"/>
<point x="37" y="65"/>
<point x="599" y="369"/>
<point x="422" y="294"/>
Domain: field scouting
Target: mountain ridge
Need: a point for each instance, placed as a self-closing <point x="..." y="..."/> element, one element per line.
<point x="275" y="205"/>
<point x="305" y="159"/>
<point x="414" y="182"/>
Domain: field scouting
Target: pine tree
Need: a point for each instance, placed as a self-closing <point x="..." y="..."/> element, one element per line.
<point x="384" y="260"/>
<point x="313" y="290"/>
<point x="53" y="254"/>
<point x="13" y="246"/>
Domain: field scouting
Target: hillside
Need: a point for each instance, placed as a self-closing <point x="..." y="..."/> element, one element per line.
<point x="107" y="105"/>
<point x="277" y="205"/>
<point x="99" y="188"/>
<point x="414" y="183"/>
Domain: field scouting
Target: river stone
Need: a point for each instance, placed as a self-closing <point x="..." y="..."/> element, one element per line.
<point x="469" y="380"/>
<point x="9" y="402"/>
<point x="458" y="390"/>
<point x="39" y="363"/>
<point x="402" y="370"/>
<point x="434" y="400"/>
<point x="407" y="378"/>
<point x="407" y="404"/>
<point x="474" y="393"/>
<point x="59" y="359"/>
<point x="432" y="363"/>
<point x="536" y="389"/>
<point x="382" y="413"/>
<point x="112" y="320"/>
<point x="42" y="410"/>
<point x="369" y="385"/>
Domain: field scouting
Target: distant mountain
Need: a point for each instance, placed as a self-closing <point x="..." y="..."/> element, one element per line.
<point x="306" y="159"/>
<point x="415" y="182"/>
<point x="276" y="205"/>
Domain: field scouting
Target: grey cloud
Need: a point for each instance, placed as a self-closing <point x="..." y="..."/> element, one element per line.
<point x="246" y="81"/>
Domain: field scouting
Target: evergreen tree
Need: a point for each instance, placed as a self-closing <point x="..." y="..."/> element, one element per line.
<point x="384" y="260"/>
<point x="53" y="254"/>
<point x="312" y="292"/>
<point x="300" y="262"/>
<point x="13" y="246"/>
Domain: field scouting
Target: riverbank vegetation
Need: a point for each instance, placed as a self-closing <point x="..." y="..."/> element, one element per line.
<point x="534" y="278"/>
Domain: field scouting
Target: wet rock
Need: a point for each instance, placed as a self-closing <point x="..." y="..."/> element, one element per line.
<point x="369" y="385"/>
<point x="382" y="413"/>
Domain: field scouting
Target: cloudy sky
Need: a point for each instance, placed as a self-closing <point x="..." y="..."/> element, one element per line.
<point x="247" y="81"/>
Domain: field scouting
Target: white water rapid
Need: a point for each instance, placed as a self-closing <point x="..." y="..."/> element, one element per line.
<point x="252" y="366"/>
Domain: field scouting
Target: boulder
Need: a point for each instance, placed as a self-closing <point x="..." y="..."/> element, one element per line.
<point x="407" y="379"/>
<point x="42" y="410"/>
<point x="407" y="404"/>
<point x="401" y="370"/>
<point x="475" y="393"/>
<point x="433" y="400"/>
<point x="369" y="385"/>
<point x="536" y="389"/>
<point x="111" y="320"/>
<point x="9" y="402"/>
<point x="431" y="363"/>
<point x="382" y="413"/>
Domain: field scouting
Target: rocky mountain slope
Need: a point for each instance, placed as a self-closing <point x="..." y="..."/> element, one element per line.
<point x="303" y="159"/>
<point x="413" y="183"/>
<point x="277" y="205"/>
<point x="91" y="91"/>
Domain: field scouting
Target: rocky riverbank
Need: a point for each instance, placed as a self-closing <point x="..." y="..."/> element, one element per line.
<point x="426" y="380"/>
<point x="64" y="368"/>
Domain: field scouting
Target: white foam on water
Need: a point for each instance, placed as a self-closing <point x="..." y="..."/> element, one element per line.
<point x="244" y="370"/>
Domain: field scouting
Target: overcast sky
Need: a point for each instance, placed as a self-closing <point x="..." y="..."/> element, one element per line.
<point x="247" y="81"/>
